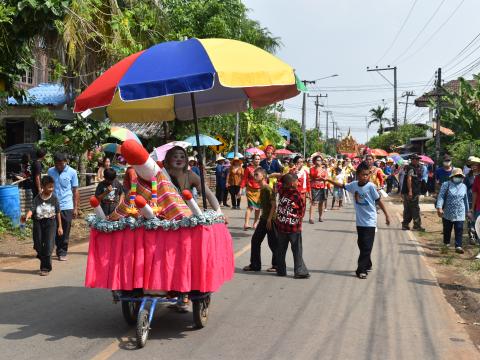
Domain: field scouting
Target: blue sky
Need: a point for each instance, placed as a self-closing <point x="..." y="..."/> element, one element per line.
<point x="343" y="37"/>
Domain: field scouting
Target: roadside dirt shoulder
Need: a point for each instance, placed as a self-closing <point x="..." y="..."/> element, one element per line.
<point x="18" y="248"/>
<point x="457" y="274"/>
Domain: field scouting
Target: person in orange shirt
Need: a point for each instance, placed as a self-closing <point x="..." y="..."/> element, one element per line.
<point x="376" y="174"/>
<point x="253" y="192"/>
<point x="234" y="179"/>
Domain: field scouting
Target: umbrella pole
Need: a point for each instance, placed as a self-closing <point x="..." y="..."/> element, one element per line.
<point x="200" y="160"/>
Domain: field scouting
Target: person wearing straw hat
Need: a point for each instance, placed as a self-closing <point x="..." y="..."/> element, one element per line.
<point x="452" y="206"/>
<point x="221" y="181"/>
<point x="411" y="190"/>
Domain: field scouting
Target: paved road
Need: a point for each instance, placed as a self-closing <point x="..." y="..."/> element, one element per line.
<point x="397" y="313"/>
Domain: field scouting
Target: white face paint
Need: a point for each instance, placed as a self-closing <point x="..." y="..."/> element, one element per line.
<point x="178" y="160"/>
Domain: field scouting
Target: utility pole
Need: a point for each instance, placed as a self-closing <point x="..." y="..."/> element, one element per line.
<point x="326" y="131"/>
<point x="395" y="104"/>
<point x="304" y="104"/>
<point x="407" y="94"/>
<point x="437" y="119"/>
<point x="237" y="125"/>
<point x="366" y="124"/>
<point x="317" y="105"/>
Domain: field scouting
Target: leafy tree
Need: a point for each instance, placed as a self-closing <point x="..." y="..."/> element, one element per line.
<point x="388" y="141"/>
<point x="75" y="139"/>
<point x="461" y="150"/>
<point x="255" y="125"/>
<point x="462" y="110"/>
<point x="313" y="142"/>
<point x="378" y="116"/>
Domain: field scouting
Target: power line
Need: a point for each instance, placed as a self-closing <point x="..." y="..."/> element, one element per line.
<point x="464" y="49"/>
<point x="419" y="33"/>
<point x="398" y="32"/>
<point x="423" y="46"/>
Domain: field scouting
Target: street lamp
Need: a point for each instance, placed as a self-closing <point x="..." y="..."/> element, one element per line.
<point x="326" y="77"/>
<point x="305" y="82"/>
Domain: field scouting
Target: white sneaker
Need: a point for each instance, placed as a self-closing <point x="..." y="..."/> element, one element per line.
<point x="459" y="250"/>
<point x="478" y="256"/>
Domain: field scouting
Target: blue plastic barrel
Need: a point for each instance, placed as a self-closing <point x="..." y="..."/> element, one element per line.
<point x="10" y="203"/>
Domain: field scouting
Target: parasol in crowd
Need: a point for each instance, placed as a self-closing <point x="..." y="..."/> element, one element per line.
<point x="378" y="152"/>
<point x="205" y="140"/>
<point x="230" y="155"/>
<point x="158" y="154"/>
<point x="255" y="151"/>
<point x="425" y="159"/>
<point x="122" y="134"/>
<point x="188" y="79"/>
<point x="111" y="148"/>
<point x="283" y="152"/>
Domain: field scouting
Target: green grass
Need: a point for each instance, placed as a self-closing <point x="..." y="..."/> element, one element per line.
<point x="443" y="250"/>
<point x="474" y="266"/>
<point x="447" y="260"/>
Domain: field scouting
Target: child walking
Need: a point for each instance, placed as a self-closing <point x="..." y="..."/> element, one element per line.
<point x="338" y="191"/>
<point x="265" y="225"/>
<point x="45" y="212"/>
<point x="290" y="211"/>
<point x="365" y="197"/>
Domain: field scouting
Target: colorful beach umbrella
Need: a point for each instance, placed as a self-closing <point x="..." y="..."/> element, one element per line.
<point x="189" y="79"/>
<point x="123" y="134"/>
<point x="155" y="84"/>
<point x="205" y="140"/>
<point x="111" y="148"/>
<point x="398" y="159"/>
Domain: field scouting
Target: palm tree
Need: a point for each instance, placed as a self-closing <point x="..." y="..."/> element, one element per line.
<point x="377" y="115"/>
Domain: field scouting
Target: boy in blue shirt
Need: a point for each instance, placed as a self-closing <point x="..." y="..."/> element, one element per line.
<point x="366" y="198"/>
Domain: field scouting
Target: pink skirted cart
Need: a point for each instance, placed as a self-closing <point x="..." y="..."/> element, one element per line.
<point x="146" y="262"/>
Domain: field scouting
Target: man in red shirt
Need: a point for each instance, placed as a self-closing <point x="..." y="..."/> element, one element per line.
<point x="290" y="211"/>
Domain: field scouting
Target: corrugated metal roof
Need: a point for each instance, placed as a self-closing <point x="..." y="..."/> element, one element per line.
<point x="146" y="130"/>
<point x="43" y="94"/>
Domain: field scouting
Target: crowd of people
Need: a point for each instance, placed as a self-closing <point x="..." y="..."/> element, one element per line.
<point x="455" y="192"/>
<point x="277" y="192"/>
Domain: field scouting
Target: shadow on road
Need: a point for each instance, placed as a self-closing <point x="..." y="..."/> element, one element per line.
<point x="20" y="271"/>
<point x="455" y="287"/>
<point x="257" y="273"/>
<point x="337" y="231"/>
<point x="64" y="311"/>
<point x="347" y="273"/>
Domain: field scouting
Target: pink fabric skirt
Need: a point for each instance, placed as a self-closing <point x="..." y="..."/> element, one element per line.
<point x="198" y="258"/>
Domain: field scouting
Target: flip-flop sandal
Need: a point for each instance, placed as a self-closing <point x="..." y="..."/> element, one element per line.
<point x="271" y="270"/>
<point x="249" y="268"/>
<point x="245" y="228"/>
